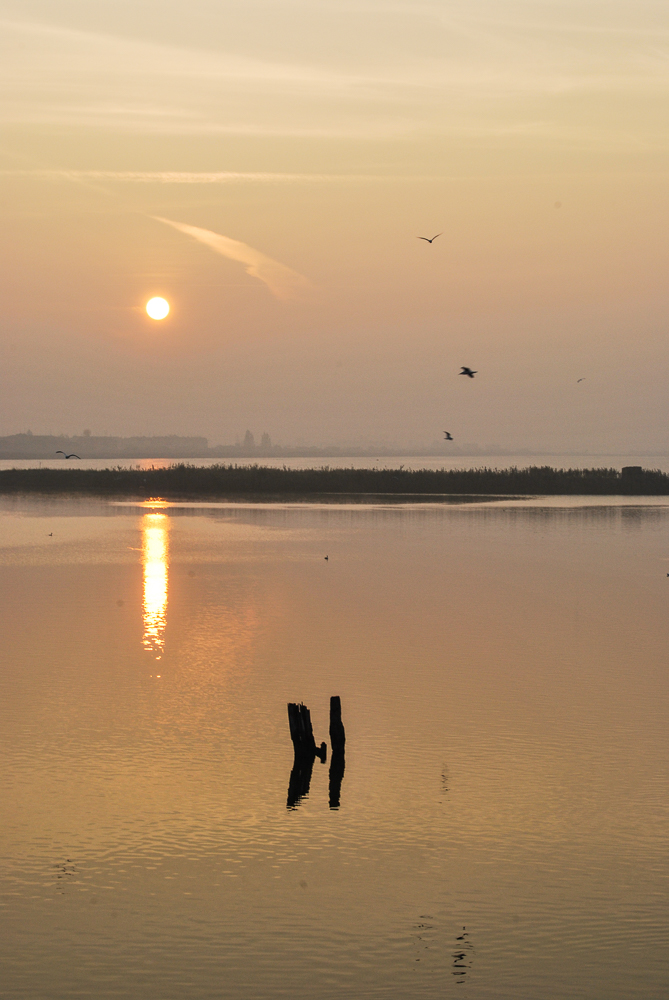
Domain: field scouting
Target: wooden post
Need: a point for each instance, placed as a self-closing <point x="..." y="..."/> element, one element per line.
<point x="337" y="733"/>
<point x="304" y="744"/>
<point x="306" y="751"/>
<point x="338" y="740"/>
<point x="301" y="732"/>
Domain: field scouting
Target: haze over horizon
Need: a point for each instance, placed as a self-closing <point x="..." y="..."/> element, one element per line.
<point x="267" y="169"/>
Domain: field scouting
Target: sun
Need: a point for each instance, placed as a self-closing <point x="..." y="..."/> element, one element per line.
<point x="157" y="308"/>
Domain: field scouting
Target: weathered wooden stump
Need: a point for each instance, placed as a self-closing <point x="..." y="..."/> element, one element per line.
<point x="337" y="733"/>
<point x="301" y="732"/>
<point x="338" y="741"/>
<point x="304" y="744"/>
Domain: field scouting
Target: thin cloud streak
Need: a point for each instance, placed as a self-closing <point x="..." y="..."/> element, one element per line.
<point x="200" y="177"/>
<point x="486" y="72"/>
<point x="282" y="281"/>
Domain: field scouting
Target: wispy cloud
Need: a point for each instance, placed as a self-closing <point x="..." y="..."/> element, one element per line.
<point x="433" y="69"/>
<point x="282" y="281"/>
<point x="196" y="177"/>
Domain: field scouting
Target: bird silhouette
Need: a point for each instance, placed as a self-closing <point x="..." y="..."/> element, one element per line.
<point x="429" y="240"/>
<point x="447" y="436"/>
<point x="580" y="379"/>
<point x="468" y="372"/>
<point x="326" y="558"/>
<point x="68" y="456"/>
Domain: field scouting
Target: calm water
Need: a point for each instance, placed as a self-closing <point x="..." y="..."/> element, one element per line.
<point x="503" y="676"/>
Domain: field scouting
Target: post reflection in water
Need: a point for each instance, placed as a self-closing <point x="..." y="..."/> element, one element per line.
<point x="300" y="780"/>
<point x="337" y="768"/>
<point x="155" y="529"/>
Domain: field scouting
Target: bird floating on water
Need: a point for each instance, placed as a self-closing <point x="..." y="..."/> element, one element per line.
<point x="427" y="240"/>
<point x="447" y="436"/>
<point x="468" y="372"/>
<point x="68" y="456"/>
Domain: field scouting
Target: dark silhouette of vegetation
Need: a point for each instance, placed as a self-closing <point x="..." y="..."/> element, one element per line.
<point x="254" y="482"/>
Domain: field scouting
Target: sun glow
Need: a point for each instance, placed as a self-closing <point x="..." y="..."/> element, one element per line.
<point x="154" y="557"/>
<point x="157" y="308"/>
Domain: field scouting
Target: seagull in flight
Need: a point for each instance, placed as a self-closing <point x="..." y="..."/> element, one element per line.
<point x="428" y="240"/>
<point x="468" y="372"/>
<point x="447" y="436"/>
<point x="68" y="456"/>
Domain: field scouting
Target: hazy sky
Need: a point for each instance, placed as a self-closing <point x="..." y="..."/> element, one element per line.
<point x="266" y="166"/>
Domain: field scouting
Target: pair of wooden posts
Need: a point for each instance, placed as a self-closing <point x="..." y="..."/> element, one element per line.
<point x="302" y="735"/>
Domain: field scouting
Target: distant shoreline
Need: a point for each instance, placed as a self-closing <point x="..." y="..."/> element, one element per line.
<point x="332" y="485"/>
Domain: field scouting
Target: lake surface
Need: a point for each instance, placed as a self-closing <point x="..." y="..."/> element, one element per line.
<point x="501" y="826"/>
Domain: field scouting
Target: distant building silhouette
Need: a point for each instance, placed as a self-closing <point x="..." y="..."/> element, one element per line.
<point x="30" y="445"/>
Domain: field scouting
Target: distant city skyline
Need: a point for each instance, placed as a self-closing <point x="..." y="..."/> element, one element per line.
<point x="29" y="445"/>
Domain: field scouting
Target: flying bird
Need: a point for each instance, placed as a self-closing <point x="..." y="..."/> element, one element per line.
<point x="447" y="436"/>
<point x="581" y="379"/>
<point x="467" y="371"/>
<point x="428" y="240"/>
<point x="68" y="456"/>
<point x="327" y="557"/>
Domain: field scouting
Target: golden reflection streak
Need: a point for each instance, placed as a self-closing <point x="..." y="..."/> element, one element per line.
<point x="154" y="557"/>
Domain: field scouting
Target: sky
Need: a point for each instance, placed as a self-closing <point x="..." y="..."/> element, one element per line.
<point x="267" y="168"/>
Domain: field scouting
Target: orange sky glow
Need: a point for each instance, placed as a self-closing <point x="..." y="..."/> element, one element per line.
<point x="266" y="168"/>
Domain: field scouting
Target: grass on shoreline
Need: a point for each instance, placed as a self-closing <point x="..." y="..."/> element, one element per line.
<point x="244" y="482"/>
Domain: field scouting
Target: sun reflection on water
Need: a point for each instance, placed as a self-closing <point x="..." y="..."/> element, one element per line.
<point x="154" y="557"/>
